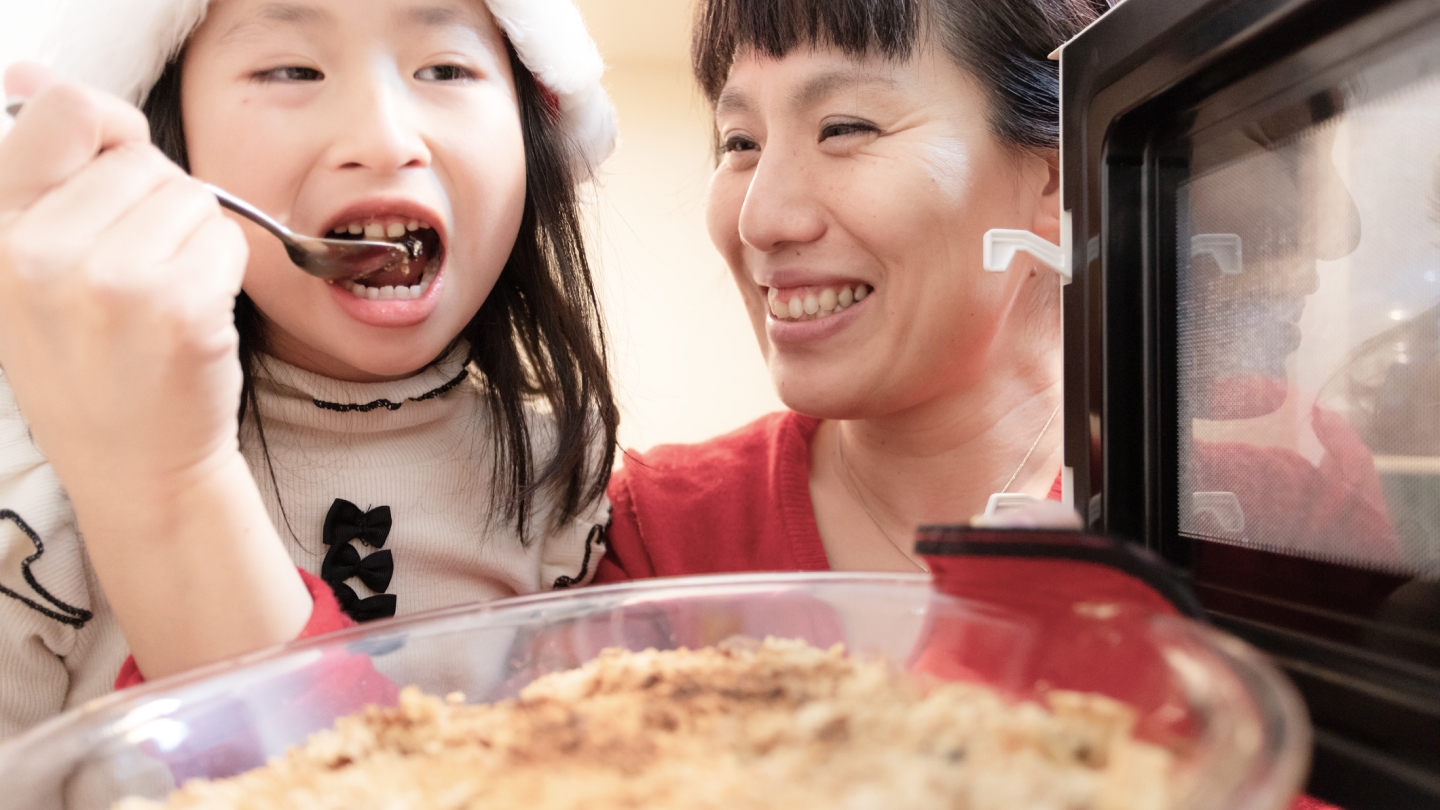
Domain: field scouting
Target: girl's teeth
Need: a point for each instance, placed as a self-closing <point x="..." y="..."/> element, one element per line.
<point x="381" y="230"/>
<point x="410" y="293"/>
<point x="812" y="306"/>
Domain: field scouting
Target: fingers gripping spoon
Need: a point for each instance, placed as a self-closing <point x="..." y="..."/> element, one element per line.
<point x="329" y="259"/>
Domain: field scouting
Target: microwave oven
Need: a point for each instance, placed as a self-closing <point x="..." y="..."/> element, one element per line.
<point x="1251" y="216"/>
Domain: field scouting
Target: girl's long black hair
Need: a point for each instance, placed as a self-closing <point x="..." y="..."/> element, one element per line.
<point x="537" y="340"/>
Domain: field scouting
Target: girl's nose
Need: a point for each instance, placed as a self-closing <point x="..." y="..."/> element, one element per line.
<point x="378" y="129"/>
<point x="782" y="205"/>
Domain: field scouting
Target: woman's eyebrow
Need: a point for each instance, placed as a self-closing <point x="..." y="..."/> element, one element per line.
<point x="732" y="101"/>
<point x="821" y="87"/>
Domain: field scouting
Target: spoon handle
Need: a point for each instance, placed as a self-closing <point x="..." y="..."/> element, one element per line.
<point x="250" y="212"/>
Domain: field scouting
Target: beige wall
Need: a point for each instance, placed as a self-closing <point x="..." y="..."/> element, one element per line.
<point x="686" y="362"/>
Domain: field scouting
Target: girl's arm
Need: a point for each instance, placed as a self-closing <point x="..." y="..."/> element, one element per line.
<point x="118" y="275"/>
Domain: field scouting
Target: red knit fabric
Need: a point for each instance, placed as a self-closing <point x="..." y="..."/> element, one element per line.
<point x="325" y="617"/>
<point x="739" y="502"/>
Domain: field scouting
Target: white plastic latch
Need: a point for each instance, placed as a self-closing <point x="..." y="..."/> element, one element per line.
<point x="1226" y="248"/>
<point x="1001" y="245"/>
<point x="1003" y="501"/>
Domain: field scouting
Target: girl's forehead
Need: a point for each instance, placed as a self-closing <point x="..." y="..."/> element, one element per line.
<point x="233" y="20"/>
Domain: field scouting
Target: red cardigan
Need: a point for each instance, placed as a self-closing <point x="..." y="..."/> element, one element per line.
<point x="739" y="502"/>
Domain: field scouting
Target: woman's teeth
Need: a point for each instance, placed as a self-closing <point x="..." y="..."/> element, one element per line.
<point x="814" y="304"/>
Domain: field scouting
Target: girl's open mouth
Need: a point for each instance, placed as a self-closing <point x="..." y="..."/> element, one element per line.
<point x="410" y="280"/>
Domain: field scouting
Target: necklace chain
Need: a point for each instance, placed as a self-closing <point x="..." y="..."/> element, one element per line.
<point x="860" y="498"/>
<point x="860" y="495"/>
<point x="1028" y="453"/>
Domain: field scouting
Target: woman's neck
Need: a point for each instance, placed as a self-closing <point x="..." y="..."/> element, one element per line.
<point x="875" y="480"/>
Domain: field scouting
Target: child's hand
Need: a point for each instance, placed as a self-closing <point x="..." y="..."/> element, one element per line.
<point x="118" y="275"/>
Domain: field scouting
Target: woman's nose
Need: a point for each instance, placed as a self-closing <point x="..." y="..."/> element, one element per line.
<point x="782" y="205"/>
<point x="378" y="129"/>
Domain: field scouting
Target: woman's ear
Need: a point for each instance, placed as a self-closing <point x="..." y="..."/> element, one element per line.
<point x="1043" y="172"/>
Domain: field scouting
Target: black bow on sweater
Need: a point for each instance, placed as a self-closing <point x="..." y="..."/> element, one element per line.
<point x="345" y="522"/>
<point x="363" y="610"/>
<point x="344" y="562"/>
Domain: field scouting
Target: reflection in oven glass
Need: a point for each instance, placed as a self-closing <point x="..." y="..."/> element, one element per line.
<point x="1309" y="336"/>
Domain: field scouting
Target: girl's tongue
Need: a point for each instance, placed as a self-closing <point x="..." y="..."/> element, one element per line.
<point x="408" y="274"/>
<point x="422" y="242"/>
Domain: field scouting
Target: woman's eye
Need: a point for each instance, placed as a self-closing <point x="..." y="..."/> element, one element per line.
<point x="843" y="128"/>
<point x="444" y="73"/>
<point x="290" y="74"/>
<point x="738" y="143"/>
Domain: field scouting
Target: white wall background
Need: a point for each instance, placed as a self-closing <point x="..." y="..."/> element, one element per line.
<point x="685" y="361"/>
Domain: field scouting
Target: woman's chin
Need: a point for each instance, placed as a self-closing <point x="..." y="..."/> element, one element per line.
<point x="824" y="391"/>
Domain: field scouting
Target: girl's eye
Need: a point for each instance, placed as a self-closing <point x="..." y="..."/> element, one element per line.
<point x="842" y="128"/>
<point x="444" y="73"/>
<point x="290" y="74"/>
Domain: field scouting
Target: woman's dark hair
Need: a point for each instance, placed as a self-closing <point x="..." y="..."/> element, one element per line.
<point x="1004" y="43"/>
<point x="537" y="338"/>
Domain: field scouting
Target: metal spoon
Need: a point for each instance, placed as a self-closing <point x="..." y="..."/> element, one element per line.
<point x="330" y="259"/>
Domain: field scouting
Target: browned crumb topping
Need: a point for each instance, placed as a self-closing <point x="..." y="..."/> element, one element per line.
<point x="773" y="725"/>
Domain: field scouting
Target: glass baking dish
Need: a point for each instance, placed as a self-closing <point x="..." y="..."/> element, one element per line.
<point x="1237" y="729"/>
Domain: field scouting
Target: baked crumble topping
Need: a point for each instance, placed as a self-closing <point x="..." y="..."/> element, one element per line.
<point x="778" y="724"/>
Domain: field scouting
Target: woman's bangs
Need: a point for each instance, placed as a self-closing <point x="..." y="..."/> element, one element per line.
<point x="890" y="28"/>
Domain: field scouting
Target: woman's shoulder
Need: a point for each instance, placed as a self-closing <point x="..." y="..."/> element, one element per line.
<point x="748" y="449"/>
<point x="738" y="502"/>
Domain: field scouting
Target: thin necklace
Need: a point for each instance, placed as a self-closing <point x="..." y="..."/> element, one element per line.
<point x="860" y="499"/>
<point x="858" y="490"/>
<point x="1033" y="445"/>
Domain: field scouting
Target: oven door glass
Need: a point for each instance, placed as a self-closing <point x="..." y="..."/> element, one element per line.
<point x="1307" y="250"/>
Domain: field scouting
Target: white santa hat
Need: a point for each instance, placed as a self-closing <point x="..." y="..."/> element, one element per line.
<point x="122" y="46"/>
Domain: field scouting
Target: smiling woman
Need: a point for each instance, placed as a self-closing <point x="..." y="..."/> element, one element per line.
<point x="864" y="148"/>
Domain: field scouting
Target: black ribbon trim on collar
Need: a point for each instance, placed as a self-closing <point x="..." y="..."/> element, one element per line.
<point x="388" y="404"/>
<point x="63" y="613"/>
<point x="346" y="522"/>
<point x="595" y="538"/>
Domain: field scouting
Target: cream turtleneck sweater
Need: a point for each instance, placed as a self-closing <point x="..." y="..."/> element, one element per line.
<point x="419" y="446"/>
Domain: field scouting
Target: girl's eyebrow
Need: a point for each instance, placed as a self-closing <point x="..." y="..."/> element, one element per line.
<point x="268" y="15"/>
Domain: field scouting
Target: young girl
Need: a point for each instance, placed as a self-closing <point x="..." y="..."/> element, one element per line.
<point x="434" y="434"/>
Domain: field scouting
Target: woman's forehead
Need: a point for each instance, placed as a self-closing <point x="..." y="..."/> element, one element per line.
<point x="809" y="76"/>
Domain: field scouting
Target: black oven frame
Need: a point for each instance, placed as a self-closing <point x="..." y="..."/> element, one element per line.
<point x="1132" y="87"/>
